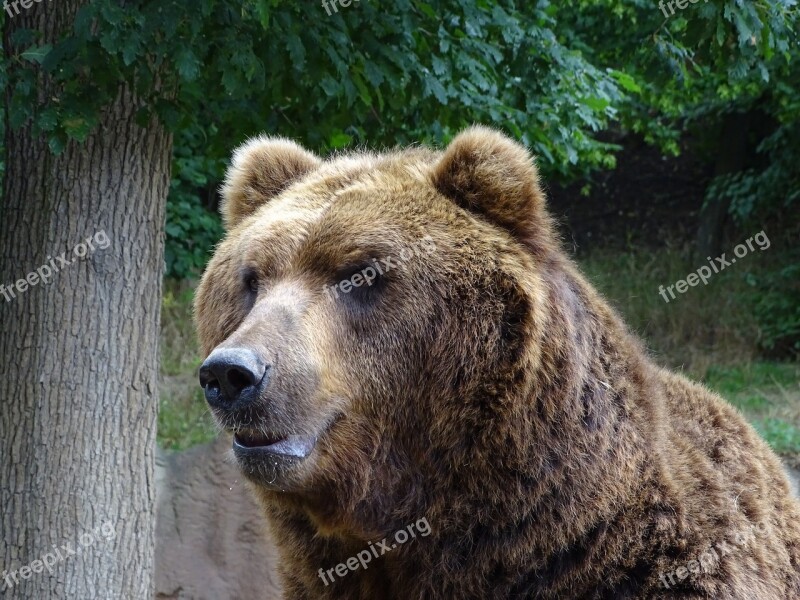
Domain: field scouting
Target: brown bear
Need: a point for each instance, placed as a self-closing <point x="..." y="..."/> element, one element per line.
<point x="431" y="402"/>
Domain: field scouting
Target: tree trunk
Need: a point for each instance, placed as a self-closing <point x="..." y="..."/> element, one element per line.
<point x="731" y="155"/>
<point x="79" y="351"/>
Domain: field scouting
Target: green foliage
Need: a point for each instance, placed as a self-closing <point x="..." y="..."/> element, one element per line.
<point x="737" y="381"/>
<point x="191" y="229"/>
<point x="698" y="65"/>
<point x="773" y="186"/>
<point x="385" y="74"/>
<point x="191" y="233"/>
<point x="411" y="71"/>
<point x="769" y="396"/>
<point x="781" y="435"/>
<point x="390" y="73"/>
<point x="777" y="308"/>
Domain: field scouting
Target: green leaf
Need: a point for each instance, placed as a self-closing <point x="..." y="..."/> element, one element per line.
<point x="59" y="54"/>
<point x="23" y="37"/>
<point x="626" y="81"/>
<point x="373" y="73"/>
<point x="173" y="230"/>
<point x="339" y="140"/>
<point x="48" y="119"/>
<point x="57" y="143"/>
<point x="296" y="50"/>
<point x="188" y="65"/>
<point x="130" y="52"/>
<point x="83" y="21"/>
<point x="363" y="90"/>
<point x="439" y="66"/>
<point x="433" y="86"/>
<point x="37" y="54"/>
<point x="427" y="10"/>
<point x="596" y="104"/>
<point x="330" y="86"/>
<point x="264" y="12"/>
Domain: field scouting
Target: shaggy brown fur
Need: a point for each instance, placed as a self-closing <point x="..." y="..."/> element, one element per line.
<point x="484" y="386"/>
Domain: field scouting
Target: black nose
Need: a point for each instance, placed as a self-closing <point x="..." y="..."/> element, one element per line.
<point x="231" y="374"/>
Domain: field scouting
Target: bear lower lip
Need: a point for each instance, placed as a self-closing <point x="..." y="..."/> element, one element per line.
<point x="297" y="446"/>
<point x="254" y="439"/>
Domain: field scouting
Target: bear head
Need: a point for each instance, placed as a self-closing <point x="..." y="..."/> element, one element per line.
<point x="369" y="320"/>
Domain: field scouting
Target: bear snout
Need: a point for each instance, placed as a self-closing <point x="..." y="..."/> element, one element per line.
<point x="233" y="377"/>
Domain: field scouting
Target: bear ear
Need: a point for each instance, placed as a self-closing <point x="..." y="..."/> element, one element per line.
<point x="485" y="172"/>
<point x="261" y="169"/>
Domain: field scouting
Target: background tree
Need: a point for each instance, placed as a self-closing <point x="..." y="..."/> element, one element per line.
<point x="79" y="355"/>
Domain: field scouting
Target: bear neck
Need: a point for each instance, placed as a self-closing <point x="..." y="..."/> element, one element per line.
<point x="550" y="468"/>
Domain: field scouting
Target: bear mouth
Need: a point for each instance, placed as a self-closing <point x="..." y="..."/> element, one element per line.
<point x="250" y="442"/>
<point x="277" y="461"/>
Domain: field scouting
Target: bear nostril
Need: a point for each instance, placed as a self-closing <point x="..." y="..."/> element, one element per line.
<point x="207" y="378"/>
<point x="228" y="372"/>
<point x="239" y="378"/>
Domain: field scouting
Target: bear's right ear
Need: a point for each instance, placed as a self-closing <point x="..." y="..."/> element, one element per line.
<point x="261" y="169"/>
<point x="487" y="173"/>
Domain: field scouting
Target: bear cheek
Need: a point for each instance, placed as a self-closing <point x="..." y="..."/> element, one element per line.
<point x="324" y="345"/>
<point x="219" y="307"/>
<point x="218" y="312"/>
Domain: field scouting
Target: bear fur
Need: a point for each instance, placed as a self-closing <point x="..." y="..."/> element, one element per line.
<point x="480" y="385"/>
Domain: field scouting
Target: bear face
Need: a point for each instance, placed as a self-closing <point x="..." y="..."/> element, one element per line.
<point x="352" y="301"/>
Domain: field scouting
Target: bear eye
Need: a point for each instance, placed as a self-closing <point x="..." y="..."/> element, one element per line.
<point x="250" y="278"/>
<point x="361" y="283"/>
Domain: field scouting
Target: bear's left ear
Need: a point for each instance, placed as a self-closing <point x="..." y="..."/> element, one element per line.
<point x="485" y="172"/>
<point x="261" y="169"/>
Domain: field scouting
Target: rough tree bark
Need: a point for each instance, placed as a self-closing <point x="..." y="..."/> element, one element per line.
<point x="78" y="355"/>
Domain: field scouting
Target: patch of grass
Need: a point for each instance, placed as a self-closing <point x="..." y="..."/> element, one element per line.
<point x="768" y="394"/>
<point x="738" y="380"/>
<point x="184" y="419"/>
<point x="782" y="436"/>
<point x="179" y="351"/>
<point x="709" y="324"/>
